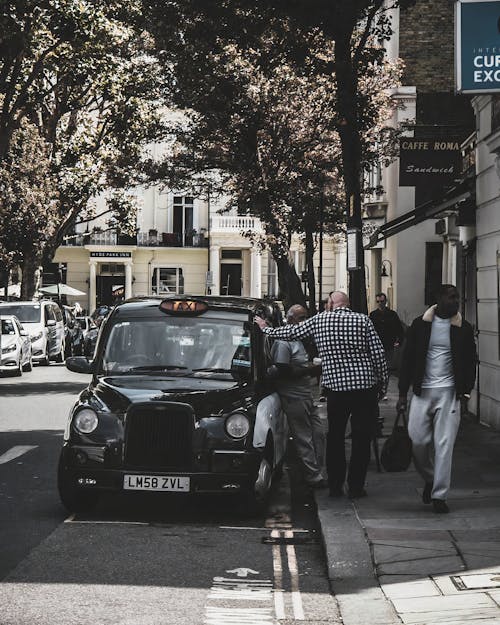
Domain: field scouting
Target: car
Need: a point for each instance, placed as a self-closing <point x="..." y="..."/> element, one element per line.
<point x="73" y="334"/>
<point x="15" y="346"/>
<point x="44" y="321"/>
<point x="178" y="402"/>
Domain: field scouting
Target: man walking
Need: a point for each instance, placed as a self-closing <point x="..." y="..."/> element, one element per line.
<point x="439" y="362"/>
<point x="292" y="373"/>
<point x="387" y="325"/>
<point x="354" y="372"/>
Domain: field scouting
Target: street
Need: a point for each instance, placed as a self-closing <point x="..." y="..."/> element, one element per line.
<point x="142" y="559"/>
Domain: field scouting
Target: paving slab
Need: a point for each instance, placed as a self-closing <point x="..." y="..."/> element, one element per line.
<point x="426" y="567"/>
<point x="476" y="601"/>
<point x="442" y="617"/>
<point x="394" y="588"/>
<point x="390" y="553"/>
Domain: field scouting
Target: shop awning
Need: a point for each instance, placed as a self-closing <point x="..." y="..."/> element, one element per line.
<point x="460" y="198"/>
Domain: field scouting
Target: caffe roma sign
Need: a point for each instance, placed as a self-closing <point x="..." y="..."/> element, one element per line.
<point x="428" y="161"/>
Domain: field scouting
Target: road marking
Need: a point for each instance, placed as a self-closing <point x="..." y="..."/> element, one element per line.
<point x="298" y="610"/>
<point x="15" y="452"/>
<point x="243" y="572"/>
<point x="279" y="601"/>
<point x="71" y="519"/>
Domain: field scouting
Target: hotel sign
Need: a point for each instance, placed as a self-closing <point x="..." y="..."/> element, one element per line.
<point x="433" y="162"/>
<point x="477" y="46"/>
<point x="110" y="255"/>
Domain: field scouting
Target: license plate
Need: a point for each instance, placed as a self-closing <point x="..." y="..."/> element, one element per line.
<point x="178" y="484"/>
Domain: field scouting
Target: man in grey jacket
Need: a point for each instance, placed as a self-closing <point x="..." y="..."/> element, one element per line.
<point x="292" y="373"/>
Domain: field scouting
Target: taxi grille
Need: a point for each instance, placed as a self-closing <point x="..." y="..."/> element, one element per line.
<point x="159" y="437"/>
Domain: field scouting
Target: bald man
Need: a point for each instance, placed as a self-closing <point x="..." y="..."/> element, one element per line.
<point x="354" y="373"/>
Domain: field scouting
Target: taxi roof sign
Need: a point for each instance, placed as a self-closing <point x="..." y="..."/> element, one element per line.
<point x="183" y="307"/>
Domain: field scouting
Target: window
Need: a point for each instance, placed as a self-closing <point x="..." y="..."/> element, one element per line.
<point x="433" y="271"/>
<point x="167" y="280"/>
<point x="183" y="215"/>
<point x="231" y="254"/>
<point x="272" y="277"/>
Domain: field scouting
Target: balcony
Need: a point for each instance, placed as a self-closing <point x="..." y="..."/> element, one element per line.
<point x="142" y="239"/>
<point x="234" y="223"/>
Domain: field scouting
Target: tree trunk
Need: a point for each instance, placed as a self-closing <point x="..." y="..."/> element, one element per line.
<point x="311" y="276"/>
<point x="347" y="88"/>
<point x="289" y="282"/>
<point x="29" y="266"/>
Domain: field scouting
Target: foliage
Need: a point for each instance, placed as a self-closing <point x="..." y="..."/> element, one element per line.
<point x="82" y="72"/>
<point x="261" y="100"/>
<point x="28" y="197"/>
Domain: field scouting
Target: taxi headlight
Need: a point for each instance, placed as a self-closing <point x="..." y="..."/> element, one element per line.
<point x="85" y="421"/>
<point x="237" y="425"/>
<point x="36" y="337"/>
<point x="9" y="348"/>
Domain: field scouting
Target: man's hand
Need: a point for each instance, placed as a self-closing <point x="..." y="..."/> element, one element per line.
<point x="262" y="323"/>
<point x="402" y="404"/>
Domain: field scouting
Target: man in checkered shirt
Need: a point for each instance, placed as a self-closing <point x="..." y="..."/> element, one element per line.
<point x="354" y="373"/>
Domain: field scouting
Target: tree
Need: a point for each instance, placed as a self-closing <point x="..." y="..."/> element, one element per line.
<point x="264" y="97"/>
<point x="83" y="74"/>
<point x="28" y="203"/>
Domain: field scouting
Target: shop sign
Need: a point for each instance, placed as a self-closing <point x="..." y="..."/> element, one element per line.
<point x="110" y="254"/>
<point x="477" y="46"/>
<point x="433" y="162"/>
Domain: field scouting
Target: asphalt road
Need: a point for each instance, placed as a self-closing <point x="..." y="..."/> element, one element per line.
<point x="142" y="559"/>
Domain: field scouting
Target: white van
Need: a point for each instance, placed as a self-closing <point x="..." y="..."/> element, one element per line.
<point x="44" y="322"/>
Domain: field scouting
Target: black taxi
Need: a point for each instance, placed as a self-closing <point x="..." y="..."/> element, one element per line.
<point x="178" y="403"/>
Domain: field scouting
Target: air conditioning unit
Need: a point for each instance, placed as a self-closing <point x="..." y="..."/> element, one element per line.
<point x="447" y="226"/>
<point x="441" y="226"/>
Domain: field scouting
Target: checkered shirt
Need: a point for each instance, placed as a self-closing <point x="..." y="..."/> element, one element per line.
<point x="351" y="352"/>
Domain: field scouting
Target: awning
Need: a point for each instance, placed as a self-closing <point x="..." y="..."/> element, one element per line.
<point x="453" y="200"/>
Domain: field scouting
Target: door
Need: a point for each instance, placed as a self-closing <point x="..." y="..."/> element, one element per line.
<point x="109" y="289"/>
<point x="230" y="279"/>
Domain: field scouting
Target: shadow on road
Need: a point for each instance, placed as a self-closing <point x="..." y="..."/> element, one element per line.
<point x="40" y="388"/>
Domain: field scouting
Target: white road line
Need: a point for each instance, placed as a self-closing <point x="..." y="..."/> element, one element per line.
<point x="298" y="610"/>
<point x="279" y="602"/>
<point x="71" y="519"/>
<point x="15" y="452"/>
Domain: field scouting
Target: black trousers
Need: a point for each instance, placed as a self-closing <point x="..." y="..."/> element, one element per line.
<point x="361" y="407"/>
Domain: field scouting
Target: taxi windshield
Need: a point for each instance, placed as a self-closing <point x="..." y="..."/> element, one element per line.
<point x="183" y="345"/>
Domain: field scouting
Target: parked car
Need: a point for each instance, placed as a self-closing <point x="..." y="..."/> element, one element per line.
<point x="44" y="322"/>
<point x="15" y="346"/>
<point x="73" y="334"/>
<point x="178" y="403"/>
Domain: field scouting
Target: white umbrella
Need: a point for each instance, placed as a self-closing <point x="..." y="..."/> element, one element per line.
<point x="61" y="289"/>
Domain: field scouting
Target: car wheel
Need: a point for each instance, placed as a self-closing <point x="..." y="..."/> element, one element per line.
<point x="73" y="498"/>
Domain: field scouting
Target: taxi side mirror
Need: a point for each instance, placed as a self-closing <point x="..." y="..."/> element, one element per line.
<point x="79" y="364"/>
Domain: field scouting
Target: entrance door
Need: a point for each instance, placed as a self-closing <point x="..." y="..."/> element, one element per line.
<point x="109" y="290"/>
<point x="230" y="279"/>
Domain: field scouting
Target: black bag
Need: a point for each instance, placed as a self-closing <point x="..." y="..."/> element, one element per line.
<point x="396" y="451"/>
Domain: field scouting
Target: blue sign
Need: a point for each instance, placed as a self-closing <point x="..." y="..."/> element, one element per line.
<point x="477" y="48"/>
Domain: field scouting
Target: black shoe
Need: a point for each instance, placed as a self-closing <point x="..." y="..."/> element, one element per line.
<point x="357" y="494"/>
<point x="426" y="493"/>
<point x="440" y="506"/>
<point x="336" y="492"/>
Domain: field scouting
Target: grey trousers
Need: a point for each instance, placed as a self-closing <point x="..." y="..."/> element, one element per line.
<point x="433" y="422"/>
<point x="303" y="420"/>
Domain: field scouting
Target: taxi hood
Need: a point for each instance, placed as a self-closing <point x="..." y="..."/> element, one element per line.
<point x="205" y="395"/>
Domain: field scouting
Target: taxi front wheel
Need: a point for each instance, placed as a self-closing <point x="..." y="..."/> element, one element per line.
<point x="73" y="498"/>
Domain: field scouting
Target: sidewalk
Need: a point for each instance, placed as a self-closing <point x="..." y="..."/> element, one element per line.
<point x="392" y="560"/>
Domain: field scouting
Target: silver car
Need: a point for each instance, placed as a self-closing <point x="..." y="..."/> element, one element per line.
<point x="44" y="322"/>
<point x="15" y="346"/>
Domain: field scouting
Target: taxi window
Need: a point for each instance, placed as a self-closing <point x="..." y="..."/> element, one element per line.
<point x="201" y="347"/>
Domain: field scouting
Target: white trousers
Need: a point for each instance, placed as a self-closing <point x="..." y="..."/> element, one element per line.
<point x="433" y="422"/>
